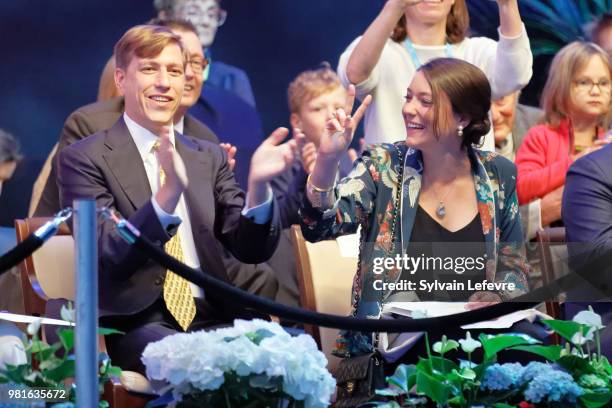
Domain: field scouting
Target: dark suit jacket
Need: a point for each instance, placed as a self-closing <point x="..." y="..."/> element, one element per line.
<point x="88" y="120"/>
<point x="231" y="78"/>
<point x="107" y="167"/>
<point x="587" y="215"/>
<point x="587" y="205"/>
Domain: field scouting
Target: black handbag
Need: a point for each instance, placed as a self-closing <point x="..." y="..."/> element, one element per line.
<point x="358" y="378"/>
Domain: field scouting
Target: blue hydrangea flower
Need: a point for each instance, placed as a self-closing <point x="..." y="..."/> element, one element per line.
<point x="532" y="370"/>
<point x="553" y="386"/>
<point x="501" y="377"/>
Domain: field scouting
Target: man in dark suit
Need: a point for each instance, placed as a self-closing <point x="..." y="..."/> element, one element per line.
<point x="87" y="120"/>
<point x="180" y="193"/>
<point x="587" y="215"/>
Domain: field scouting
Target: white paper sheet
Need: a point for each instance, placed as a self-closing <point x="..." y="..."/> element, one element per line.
<point x="419" y="310"/>
<point x="17" y="318"/>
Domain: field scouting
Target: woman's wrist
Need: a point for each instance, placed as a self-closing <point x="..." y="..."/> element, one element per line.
<point x="319" y="197"/>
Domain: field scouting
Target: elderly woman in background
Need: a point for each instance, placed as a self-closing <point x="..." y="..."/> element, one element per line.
<point x="576" y="103"/>
<point x="431" y="187"/>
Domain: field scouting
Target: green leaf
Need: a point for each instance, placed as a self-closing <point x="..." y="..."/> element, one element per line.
<point x="401" y="376"/>
<point x="259" y="335"/>
<point x="49" y="363"/>
<point x="437" y="390"/>
<point x="564" y="328"/>
<point x="551" y="353"/>
<point x="103" y="331"/>
<point x="465" y="373"/>
<point x="49" y="353"/>
<point x="17" y="374"/>
<point x="443" y="365"/>
<point x="63" y="371"/>
<point x="495" y="344"/>
<point x="575" y="365"/>
<point x="66" y="337"/>
<point x="36" y="346"/>
<point x="502" y="405"/>
<point x="595" y="400"/>
<point x="113" y="371"/>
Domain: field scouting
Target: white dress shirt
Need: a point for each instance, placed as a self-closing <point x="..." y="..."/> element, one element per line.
<point x="144" y="140"/>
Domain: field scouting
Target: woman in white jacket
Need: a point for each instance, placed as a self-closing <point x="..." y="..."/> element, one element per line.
<point x="383" y="65"/>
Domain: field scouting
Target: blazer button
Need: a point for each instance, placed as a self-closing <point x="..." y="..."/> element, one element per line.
<point x="159" y="280"/>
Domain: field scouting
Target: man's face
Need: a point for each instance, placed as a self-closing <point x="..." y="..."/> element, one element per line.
<point x="502" y="111"/>
<point x="314" y="114"/>
<point x="205" y="15"/>
<point x="153" y="87"/>
<point x="193" y="70"/>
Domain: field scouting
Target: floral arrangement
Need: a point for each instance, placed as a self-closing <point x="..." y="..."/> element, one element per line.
<point x="53" y="366"/>
<point x="254" y="363"/>
<point x="576" y="375"/>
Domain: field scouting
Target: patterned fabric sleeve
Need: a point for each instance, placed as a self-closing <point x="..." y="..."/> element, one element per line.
<point x="512" y="263"/>
<point x="355" y="195"/>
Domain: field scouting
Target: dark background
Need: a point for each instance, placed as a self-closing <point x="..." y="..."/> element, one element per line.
<point x="53" y="53"/>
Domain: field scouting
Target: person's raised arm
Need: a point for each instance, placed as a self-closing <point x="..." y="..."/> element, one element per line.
<point x="366" y="54"/>
<point x="510" y="23"/>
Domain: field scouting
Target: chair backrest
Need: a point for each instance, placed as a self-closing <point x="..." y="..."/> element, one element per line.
<point x="554" y="255"/>
<point x="49" y="272"/>
<point x="325" y="279"/>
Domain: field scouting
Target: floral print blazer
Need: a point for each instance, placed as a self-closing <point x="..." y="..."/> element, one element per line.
<point x="368" y="197"/>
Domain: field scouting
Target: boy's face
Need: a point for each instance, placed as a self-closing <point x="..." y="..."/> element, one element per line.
<point x="314" y="113"/>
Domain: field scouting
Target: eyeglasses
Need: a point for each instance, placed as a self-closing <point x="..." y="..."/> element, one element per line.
<point x="221" y="15"/>
<point x="215" y="14"/>
<point x="586" y="85"/>
<point x="198" y="65"/>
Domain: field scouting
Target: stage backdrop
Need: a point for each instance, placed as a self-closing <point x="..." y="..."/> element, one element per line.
<point x="53" y="53"/>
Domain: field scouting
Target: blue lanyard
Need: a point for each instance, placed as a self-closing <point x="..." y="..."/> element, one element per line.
<point x="415" y="58"/>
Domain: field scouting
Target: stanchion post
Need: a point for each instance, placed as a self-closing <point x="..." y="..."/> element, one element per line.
<point x="86" y="341"/>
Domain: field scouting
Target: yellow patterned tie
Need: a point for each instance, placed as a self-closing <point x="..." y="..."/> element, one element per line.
<point x="177" y="292"/>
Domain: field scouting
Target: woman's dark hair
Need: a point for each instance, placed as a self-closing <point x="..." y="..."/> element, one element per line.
<point x="9" y="148"/>
<point x="462" y="89"/>
<point x="457" y="24"/>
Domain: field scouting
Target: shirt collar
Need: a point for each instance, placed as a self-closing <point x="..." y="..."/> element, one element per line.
<point x="143" y="138"/>
<point x="179" y="127"/>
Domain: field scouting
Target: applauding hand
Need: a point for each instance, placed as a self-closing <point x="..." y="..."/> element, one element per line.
<point x="271" y="157"/>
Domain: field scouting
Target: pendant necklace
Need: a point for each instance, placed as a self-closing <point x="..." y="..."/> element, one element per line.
<point x="441" y="209"/>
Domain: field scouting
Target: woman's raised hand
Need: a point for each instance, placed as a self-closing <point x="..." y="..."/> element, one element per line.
<point x="341" y="126"/>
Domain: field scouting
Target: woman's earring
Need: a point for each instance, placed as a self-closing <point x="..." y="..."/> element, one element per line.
<point x="460" y="131"/>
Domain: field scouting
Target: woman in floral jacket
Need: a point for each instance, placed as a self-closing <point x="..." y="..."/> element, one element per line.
<point x="433" y="186"/>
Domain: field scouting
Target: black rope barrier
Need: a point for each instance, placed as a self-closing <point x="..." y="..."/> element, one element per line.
<point x="131" y="235"/>
<point x="323" y="319"/>
<point x="34" y="241"/>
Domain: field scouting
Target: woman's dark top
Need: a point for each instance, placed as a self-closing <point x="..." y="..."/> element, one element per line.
<point x="446" y="257"/>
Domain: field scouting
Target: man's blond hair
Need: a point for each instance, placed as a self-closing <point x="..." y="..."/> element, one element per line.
<point x="145" y="41"/>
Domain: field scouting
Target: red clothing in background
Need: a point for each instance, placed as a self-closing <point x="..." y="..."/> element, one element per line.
<point x="542" y="160"/>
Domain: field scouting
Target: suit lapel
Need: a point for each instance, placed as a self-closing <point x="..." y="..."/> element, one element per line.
<point x="124" y="162"/>
<point x="200" y="201"/>
<point x="196" y="166"/>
